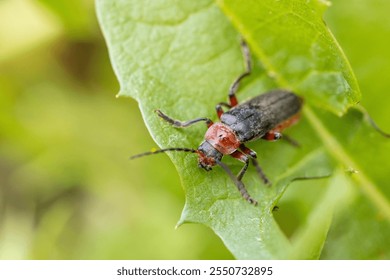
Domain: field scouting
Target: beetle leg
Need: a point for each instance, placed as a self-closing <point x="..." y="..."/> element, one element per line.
<point x="245" y="159"/>
<point x="260" y="172"/>
<point x="224" y="104"/>
<point x="248" y="151"/>
<point x="177" y="123"/>
<point x="253" y="156"/>
<point x="272" y="135"/>
<point x="239" y="184"/>
<point x="248" y="69"/>
<point x="275" y="135"/>
<point x="291" y="141"/>
<point x="219" y="110"/>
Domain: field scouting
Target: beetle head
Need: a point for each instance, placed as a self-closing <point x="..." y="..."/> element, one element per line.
<point x="208" y="156"/>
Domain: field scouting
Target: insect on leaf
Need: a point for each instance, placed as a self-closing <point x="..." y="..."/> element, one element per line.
<point x="182" y="56"/>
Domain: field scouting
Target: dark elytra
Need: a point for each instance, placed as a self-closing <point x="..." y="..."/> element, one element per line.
<point x="252" y="119"/>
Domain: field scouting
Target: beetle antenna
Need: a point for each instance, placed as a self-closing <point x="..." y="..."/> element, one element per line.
<point x="163" y="151"/>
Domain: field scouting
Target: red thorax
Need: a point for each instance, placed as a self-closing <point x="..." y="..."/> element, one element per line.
<point x="222" y="138"/>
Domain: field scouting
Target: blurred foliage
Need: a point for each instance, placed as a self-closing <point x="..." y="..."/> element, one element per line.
<point x="67" y="189"/>
<point x="362" y="28"/>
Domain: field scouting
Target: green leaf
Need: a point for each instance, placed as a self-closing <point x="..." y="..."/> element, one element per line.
<point x="181" y="57"/>
<point x="297" y="49"/>
<point x="362" y="33"/>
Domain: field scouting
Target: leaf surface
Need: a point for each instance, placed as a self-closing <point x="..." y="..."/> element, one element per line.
<point x="181" y="57"/>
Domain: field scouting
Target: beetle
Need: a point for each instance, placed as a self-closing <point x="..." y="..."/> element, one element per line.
<point x="262" y="117"/>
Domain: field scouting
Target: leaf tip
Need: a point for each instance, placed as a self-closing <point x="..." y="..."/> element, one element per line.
<point x="180" y="223"/>
<point x="323" y="5"/>
<point x="122" y="93"/>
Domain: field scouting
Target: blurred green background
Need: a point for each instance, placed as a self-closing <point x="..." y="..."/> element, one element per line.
<point x="67" y="188"/>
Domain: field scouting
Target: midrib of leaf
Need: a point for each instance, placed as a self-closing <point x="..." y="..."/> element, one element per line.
<point x="331" y="144"/>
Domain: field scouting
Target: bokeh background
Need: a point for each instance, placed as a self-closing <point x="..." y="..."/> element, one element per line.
<point x="67" y="188"/>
